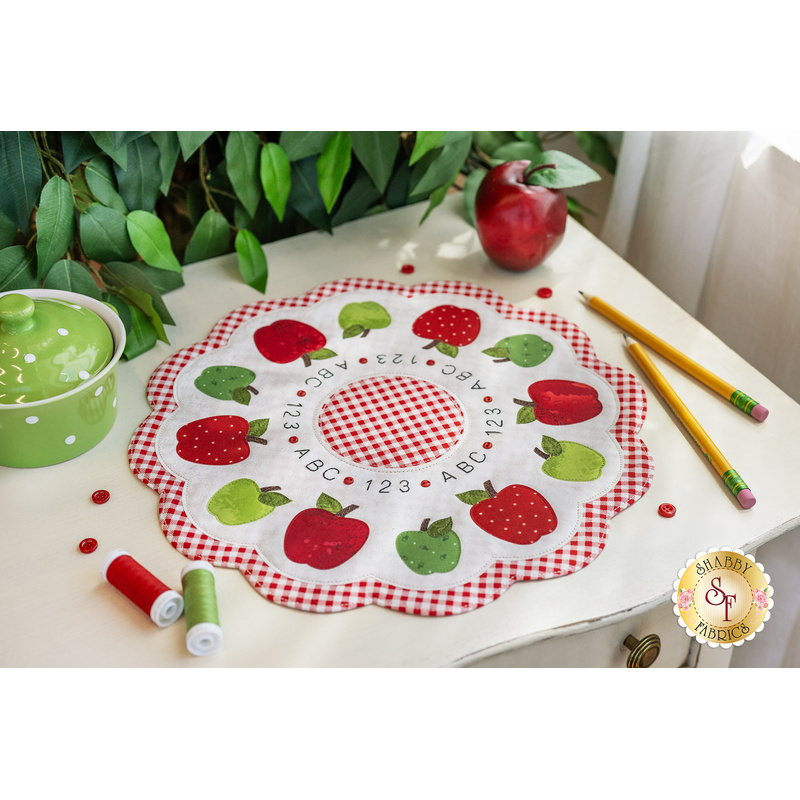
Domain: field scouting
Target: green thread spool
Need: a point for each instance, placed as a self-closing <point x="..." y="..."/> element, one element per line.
<point x="203" y="632"/>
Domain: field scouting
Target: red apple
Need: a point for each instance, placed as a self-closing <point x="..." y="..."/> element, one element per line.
<point x="516" y="514"/>
<point x="518" y="224"/>
<point x="559" y="402"/>
<point x="448" y="328"/>
<point x="221" y="440"/>
<point x="324" y="537"/>
<point x="287" y="339"/>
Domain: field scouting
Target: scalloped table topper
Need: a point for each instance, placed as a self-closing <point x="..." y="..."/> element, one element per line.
<point x="419" y="447"/>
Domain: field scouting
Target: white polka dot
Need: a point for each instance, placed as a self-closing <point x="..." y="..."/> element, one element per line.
<point x="29" y="358"/>
<point x="69" y="440"/>
<point x="31" y="420"/>
<point x="99" y="391"/>
<point x="83" y="374"/>
<point x="63" y="331"/>
<point x="114" y="404"/>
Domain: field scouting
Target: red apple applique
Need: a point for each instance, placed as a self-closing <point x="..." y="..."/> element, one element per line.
<point x="221" y="440"/>
<point x="516" y="514"/>
<point x="287" y="340"/>
<point x="448" y="328"/>
<point x="324" y="537"/>
<point x="559" y="402"/>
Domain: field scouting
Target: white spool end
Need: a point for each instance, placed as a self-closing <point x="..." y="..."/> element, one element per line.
<point x="167" y="608"/>
<point x="197" y="565"/>
<point x="204" y="639"/>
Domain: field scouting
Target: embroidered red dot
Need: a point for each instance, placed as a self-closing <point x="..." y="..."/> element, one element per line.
<point x="487" y="399"/>
<point x="100" y="496"/>
<point x="425" y="484"/>
<point x="349" y="481"/>
<point x="293" y="440"/>
<point x="301" y="393"/>
<point x="88" y="546"/>
<point x="545" y="292"/>
<point x="666" y="510"/>
<point x="407" y="269"/>
<point x="362" y="360"/>
<point x="430" y="362"/>
<point x="487" y="445"/>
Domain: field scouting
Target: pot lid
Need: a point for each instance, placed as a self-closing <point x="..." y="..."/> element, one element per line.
<point x="48" y="347"/>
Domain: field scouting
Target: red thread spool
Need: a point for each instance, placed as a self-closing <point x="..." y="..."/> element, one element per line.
<point x="162" y="604"/>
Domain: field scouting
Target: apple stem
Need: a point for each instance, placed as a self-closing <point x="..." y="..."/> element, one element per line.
<point x="251" y="389"/>
<point x="345" y="511"/>
<point x="541" y="453"/>
<point x="537" y="168"/>
<point x="306" y="359"/>
<point x="366" y="331"/>
<point x="425" y="523"/>
<point x="257" y="439"/>
<point x="524" y="403"/>
<point x="501" y="360"/>
<point x="269" y="488"/>
<point x="489" y="489"/>
<point x="430" y="344"/>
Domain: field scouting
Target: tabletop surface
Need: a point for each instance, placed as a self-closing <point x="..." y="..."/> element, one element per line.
<point x="56" y="609"/>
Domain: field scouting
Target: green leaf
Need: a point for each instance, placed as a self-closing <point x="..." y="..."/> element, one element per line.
<point x="447" y="349"/>
<point x="576" y="209"/>
<point x="424" y="143"/>
<point x="141" y="336"/>
<point x="273" y="499"/>
<point x="516" y="151"/>
<point x="140" y="180"/>
<point x="151" y="241"/>
<point x="20" y="176"/>
<point x="442" y="165"/>
<point x="437" y="198"/>
<point x="525" y="415"/>
<point x="163" y="280"/>
<point x="473" y="497"/>
<point x="72" y="276"/>
<point x="596" y="146"/>
<point x="77" y="147"/>
<point x="252" y="260"/>
<point x="55" y="224"/>
<point x="132" y="275"/>
<point x="104" y="234"/>
<point x="530" y="136"/>
<point x="332" y="167"/>
<point x="328" y="503"/>
<point x="211" y="238"/>
<point x="376" y="151"/>
<point x="16" y="269"/>
<point x="122" y="139"/>
<point x="353" y="330"/>
<point x="143" y="302"/>
<point x="242" y="163"/>
<point x="470" y="192"/>
<point x="241" y="395"/>
<point x="440" y="527"/>
<point x="99" y="175"/>
<point x="321" y="354"/>
<point x="258" y="427"/>
<point x="489" y="141"/>
<point x="358" y="197"/>
<point x="8" y="231"/>
<point x="190" y="141"/>
<point x="496" y="352"/>
<point x="105" y="141"/>
<point x="300" y="144"/>
<point x="276" y="177"/>
<point x="169" y="149"/>
<point x="551" y="446"/>
<point x="305" y="197"/>
<point x="569" y="171"/>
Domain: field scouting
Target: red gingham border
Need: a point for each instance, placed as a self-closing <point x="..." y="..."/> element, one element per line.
<point x="584" y="547"/>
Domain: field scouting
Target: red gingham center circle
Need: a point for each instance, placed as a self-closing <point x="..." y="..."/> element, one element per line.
<point x="391" y="422"/>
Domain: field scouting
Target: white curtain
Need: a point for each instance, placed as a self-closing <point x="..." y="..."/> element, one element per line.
<point x="713" y="219"/>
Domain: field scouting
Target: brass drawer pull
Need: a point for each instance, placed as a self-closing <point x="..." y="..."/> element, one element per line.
<point x="644" y="652"/>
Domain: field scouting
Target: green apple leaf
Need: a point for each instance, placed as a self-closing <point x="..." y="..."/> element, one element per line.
<point x="140" y="180"/>
<point x="253" y="265"/>
<point x="169" y="149"/>
<point x="105" y="141"/>
<point x="71" y="276"/>
<point x="305" y="197"/>
<point x="276" y="177"/>
<point x="142" y="336"/>
<point x="353" y="330"/>
<point x="104" y="234"/>
<point x="150" y="238"/>
<point x="525" y="415"/>
<point x="470" y="191"/>
<point x="55" y="224"/>
<point x="530" y="136"/>
<point x="551" y="446"/>
<point x="328" y="503"/>
<point x="141" y="301"/>
<point x="597" y="148"/>
<point x="376" y="151"/>
<point x="322" y="353"/>
<point x="516" y="151"/>
<point x="437" y="198"/>
<point x="20" y="176"/>
<point x="301" y="144"/>
<point x="77" y="147"/>
<point x="568" y="172"/>
<point x="425" y="142"/>
<point x="16" y="269"/>
<point x="258" y="426"/>
<point x="99" y="175"/>
<point x="473" y="497"/>
<point x="211" y="238"/>
<point x="190" y="141"/>
<point x="333" y="165"/>
<point x="447" y="349"/>
<point x="273" y="499"/>
<point x="242" y="156"/>
<point x="241" y="395"/>
<point x="440" y="527"/>
<point x="496" y="352"/>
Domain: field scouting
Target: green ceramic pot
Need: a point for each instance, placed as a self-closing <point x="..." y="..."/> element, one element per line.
<point x="59" y="353"/>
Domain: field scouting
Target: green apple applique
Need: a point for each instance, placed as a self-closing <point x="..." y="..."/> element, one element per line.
<point x="243" y="500"/>
<point x="570" y="461"/>
<point x="431" y="549"/>
<point x="524" y="350"/>
<point x="358" y="319"/>
<point x="227" y="383"/>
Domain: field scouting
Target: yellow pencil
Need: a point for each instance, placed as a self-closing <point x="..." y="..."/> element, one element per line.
<point x="729" y="476"/>
<point x="736" y="397"/>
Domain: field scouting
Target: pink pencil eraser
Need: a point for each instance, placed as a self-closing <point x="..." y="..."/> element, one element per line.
<point x="759" y="412"/>
<point x="746" y="498"/>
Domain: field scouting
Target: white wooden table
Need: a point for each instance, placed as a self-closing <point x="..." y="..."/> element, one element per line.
<point x="56" y="610"/>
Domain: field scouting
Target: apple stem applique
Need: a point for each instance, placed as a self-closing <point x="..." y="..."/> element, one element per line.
<point x="517" y="514"/>
<point x="220" y="440"/>
<point x="448" y="328"/>
<point x="524" y="350"/>
<point x="570" y="461"/>
<point x="559" y="402"/>
<point x="432" y="549"/>
<point x="227" y="383"/>
<point x="286" y="340"/>
<point x="324" y="537"/>
<point x="358" y="319"/>
<point x="242" y="501"/>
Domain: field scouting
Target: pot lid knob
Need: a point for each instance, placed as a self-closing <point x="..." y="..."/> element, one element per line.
<point x="16" y="313"/>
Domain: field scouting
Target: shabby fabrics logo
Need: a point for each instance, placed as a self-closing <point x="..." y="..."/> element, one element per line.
<point x="722" y="597"/>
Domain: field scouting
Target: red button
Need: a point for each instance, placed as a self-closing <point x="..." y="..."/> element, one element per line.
<point x="349" y="481"/>
<point x="407" y="269"/>
<point x="88" y="546"/>
<point x="487" y="445"/>
<point x="545" y="292"/>
<point x="666" y="510"/>
<point x="100" y="496"/>
<point x="425" y="484"/>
